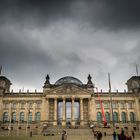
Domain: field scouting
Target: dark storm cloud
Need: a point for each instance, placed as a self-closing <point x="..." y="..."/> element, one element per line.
<point x="99" y="13"/>
<point x="68" y="37"/>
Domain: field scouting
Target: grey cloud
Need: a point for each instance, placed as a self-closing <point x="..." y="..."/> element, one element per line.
<point x="69" y="37"/>
<point x="106" y="14"/>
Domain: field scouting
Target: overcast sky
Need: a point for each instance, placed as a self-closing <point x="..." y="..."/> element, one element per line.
<point x="69" y="37"/>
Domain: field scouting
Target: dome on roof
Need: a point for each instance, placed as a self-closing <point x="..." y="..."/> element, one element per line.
<point x="69" y="80"/>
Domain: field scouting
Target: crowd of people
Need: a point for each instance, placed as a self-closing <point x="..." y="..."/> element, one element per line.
<point x="117" y="135"/>
<point x="123" y="135"/>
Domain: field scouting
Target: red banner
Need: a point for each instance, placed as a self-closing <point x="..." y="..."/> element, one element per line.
<point x="102" y="109"/>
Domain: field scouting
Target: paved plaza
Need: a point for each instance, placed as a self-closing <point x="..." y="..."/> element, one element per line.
<point x="56" y="138"/>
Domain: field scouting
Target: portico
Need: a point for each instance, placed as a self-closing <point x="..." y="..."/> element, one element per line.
<point x="68" y="111"/>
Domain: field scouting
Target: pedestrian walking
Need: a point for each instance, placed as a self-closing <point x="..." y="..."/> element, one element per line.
<point x="99" y="135"/>
<point x="133" y="134"/>
<point x="128" y="136"/>
<point x="64" y="135"/>
<point x="114" y="135"/>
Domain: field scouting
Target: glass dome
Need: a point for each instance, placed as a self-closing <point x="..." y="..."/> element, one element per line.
<point x="68" y="80"/>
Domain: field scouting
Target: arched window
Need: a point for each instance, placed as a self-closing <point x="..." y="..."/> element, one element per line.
<point x="107" y="115"/>
<point x="37" y="116"/>
<point x="30" y="115"/>
<point x="123" y="115"/>
<point x="22" y="117"/>
<point x="132" y="117"/>
<point x="115" y="116"/>
<point x="99" y="117"/>
<point x="13" y="117"/>
<point x="5" y="117"/>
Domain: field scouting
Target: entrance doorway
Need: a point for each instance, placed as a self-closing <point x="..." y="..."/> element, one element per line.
<point x="68" y="110"/>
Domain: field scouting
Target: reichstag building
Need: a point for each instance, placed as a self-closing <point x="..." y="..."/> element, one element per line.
<point x="70" y="102"/>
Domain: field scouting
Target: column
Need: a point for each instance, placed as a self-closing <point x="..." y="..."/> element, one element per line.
<point x="119" y="112"/>
<point x="34" y="111"/>
<point x="81" y="111"/>
<point x="44" y="109"/>
<point x="55" y="112"/>
<point x="64" y="113"/>
<point x="127" y="113"/>
<point x="137" y="110"/>
<point x="89" y="110"/>
<point x="10" y="118"/>
<point x="92" y="109"/>
<point x="47" y="110"/>
<point x="1" y="109"/>
<point x="72" y="112"/>
<point x="18" y="111"/>
<point x="26" y="111"/>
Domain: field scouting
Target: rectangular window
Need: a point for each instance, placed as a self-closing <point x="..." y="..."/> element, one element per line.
<point x="122" y="105"/>
<point x="106" y="105"/>
<point x="6" y="105"/>
<point x="98" y="105"/>
<point x="30" y="105"/>
<point x="114" y="105"/>
<point x="38" y="104"/>
<point x="130" y="105"/>
<point x="14" y="106"/>
<point x="22" y="105"/>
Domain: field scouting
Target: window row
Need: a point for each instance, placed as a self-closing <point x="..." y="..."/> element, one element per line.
<point x="6" y="117"/>
<point x="116" y="105"/>
<point x="116" y="117"/>
<point x="21" y="105"/>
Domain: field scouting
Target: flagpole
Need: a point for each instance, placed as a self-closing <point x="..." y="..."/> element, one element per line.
<point x="111" y="99"/>
<point x="0" y="70"/>
<point x="137" y="70"/>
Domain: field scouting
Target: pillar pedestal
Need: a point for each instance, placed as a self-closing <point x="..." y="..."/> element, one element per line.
<point x="63" y="123"/>
<point x="55" y="123"/>
<point x="81" y="123"/>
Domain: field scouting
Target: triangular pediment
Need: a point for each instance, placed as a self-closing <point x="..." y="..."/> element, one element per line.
<point x="68" y="89"/>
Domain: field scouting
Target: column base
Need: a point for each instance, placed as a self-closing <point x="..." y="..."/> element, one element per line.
<point x="72" y="123"/>
<point x="63" y="123"/>
<point x="55" y="123"/>
<point x="81" y="123"/>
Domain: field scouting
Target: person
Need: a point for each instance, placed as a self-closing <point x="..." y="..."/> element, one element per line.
<point x="64" y="135"/>
<point x="121" y="136"/>
<point x="128" y="136"/>
<point x="114" y="135"/>
<point x="133" y="134"/>
<point x="31" y="133"/>
<point x="99" y="135"/>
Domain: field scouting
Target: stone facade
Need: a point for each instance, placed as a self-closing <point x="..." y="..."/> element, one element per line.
<point x="69" y="102"/>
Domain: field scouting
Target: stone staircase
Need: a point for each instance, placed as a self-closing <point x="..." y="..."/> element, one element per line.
<point x="73" y="133"/>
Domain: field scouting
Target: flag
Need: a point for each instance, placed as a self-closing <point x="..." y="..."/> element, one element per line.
<point x="102" y="109"/>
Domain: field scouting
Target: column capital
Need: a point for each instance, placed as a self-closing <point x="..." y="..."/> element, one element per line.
<point x="72" y="98"/>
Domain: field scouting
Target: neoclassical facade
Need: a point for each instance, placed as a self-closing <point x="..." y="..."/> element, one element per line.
<point x="70" y="102"/>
